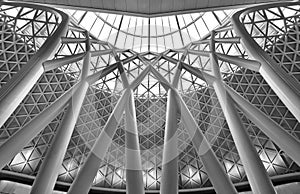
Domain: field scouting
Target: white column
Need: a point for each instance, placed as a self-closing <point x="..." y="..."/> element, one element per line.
<point x="256" y="173"/>
<point x="134" y="174"/>
<point x="48" y="172"/>
<point x="169" y="178"/>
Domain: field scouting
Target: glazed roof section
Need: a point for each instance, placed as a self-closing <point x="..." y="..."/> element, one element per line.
<point x="143" y="34"/>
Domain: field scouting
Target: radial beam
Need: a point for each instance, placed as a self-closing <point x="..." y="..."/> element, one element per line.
<point x="289" y="144"/>
<point x="199" y="52"/>
<point x="134" y="174"/>
<point x="201" y="75"/>
<point x="169" y="178"/>
<point x="246" y="63"/>
<point x="15" y="90"/>
<point x="48" y="172"/>
<point x="55" y="63"/>
<point x="100" y="74"/>
<point x="22" y="137"/>
<point x="87" y="173"/>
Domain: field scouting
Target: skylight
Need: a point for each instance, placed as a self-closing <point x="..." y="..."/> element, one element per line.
<point x="143" y="34"/>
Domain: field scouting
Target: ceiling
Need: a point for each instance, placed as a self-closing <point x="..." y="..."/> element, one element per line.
<point x="151" y="7"/>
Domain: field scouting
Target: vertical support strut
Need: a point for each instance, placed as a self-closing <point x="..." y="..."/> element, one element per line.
<point x="169" y="178"/>
<point x="255" y="170"/>
<point x="87" y="173"/>
<point x="47" y="175"/>
<point x="134" y="174"/>
<point x="13" y="92"/>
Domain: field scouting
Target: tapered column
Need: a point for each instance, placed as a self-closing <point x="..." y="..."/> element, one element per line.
<point x="215" y="171"/>
<point x="169" y="178"/>
<point x="47" y="175"/>
<point x="48" y="172"/>
<point x="15" y="90"/>
<point x="23" y="136"/>
<point x="289" y="144"/>
<point x="255" y="170"/>
<point x="134" y="175"/>
<point x="87" y="173"/>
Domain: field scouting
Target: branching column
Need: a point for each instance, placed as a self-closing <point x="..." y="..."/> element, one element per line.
<point x="169" y="179"/>
<point x="47" y="175"/>
<point x="255" y="170"/>
<point x="134" y="174"/>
